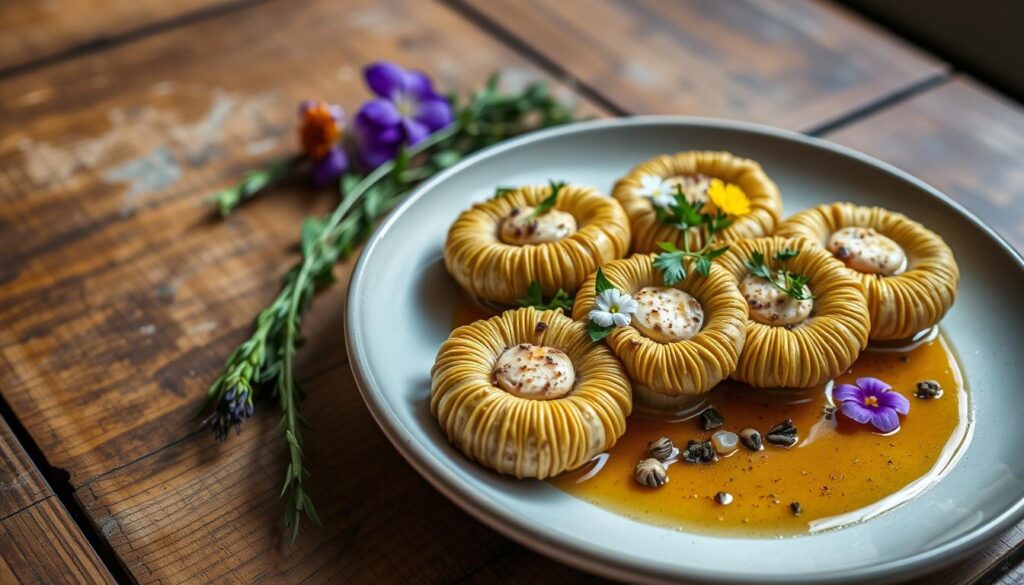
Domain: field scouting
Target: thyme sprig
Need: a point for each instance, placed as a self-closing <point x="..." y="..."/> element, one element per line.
<point x="253" y="182"/>
<point x="265" y="363"/>
<point x="687" y="216"/>
<point x="534" y="298"/>
<point x="781" y="278"/>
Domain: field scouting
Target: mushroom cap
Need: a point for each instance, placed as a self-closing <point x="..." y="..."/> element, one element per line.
<point x="817" y="349"/>
<point x="686" y="367"/>
<point x="648" y="230"/>
<point x="903" y="304"/>
<point x="521" y="436"/>
<point x="490" y="269"/>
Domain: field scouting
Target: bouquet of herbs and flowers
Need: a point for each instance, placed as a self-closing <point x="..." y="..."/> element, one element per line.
<point x="399" y="138"/>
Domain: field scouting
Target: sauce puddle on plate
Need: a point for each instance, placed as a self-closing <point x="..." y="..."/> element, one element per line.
<point x="840" y="472"/>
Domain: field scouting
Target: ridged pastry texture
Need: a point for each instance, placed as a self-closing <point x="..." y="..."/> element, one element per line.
<point x="678" y="368"/>
<point x="648" y="231"/>
<point x="490" y="269"/>
<point x="822" y="346"/>
<point x="521" y="436"/>
<point x="903" y="304"/>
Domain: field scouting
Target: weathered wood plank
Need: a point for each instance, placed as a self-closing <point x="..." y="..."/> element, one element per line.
<point x="962" y="138"/>
<point x="36" y="30"/>
<point x="796" y="64"/>
<point x="969" y="143"/>
<point x="21" y="484"/>
<point x="200" y="511"/>
<point x="40" y="545"/>
<point x="121" y="296"/>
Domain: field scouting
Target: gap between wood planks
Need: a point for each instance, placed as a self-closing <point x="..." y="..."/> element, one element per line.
<point x="59" y="481"/>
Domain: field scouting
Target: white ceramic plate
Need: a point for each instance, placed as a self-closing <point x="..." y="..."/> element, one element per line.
<point x="400" y="310"/>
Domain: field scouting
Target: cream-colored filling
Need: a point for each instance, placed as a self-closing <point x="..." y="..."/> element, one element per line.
<point x="771" y="306"/>
<point x="667" y="314"/>
<point x="519" y="229"/>
<point x="865" y="250"/>
<point x="534" y="371"/>
<point x="695" y="186"/>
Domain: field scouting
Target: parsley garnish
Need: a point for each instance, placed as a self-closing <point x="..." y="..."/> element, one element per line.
<point x="500" y="192"/>
<point x="788" y="282"/>
<point x="549" y="201"/>
<point x="684" y="215"/>
<point x="533" y="298"/>
<point x="601" y="284"/>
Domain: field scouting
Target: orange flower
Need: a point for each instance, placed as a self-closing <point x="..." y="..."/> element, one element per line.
<point x="320" y="130"/>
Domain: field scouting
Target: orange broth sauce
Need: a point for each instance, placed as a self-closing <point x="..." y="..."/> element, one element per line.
<point x="840" y="472"/>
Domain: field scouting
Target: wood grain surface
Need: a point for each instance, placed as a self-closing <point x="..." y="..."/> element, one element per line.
<point x="39" y="543"/>
<point x="796" y="64"/>
<point x="21" y="484"/>
<point x="121" y="295"/>
<point x="34" y="32"/>
<point x="962" y="138"/>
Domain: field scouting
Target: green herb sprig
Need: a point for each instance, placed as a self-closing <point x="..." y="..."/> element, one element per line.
<point x="265" y="363"/>
<point x="685" y="216"/>
<point x="562" y="300"/>
<point x="549" y="202"/>
<point x="253" y="182"/>
<point x="781" y="278"/>
<point x="601" y="284"/>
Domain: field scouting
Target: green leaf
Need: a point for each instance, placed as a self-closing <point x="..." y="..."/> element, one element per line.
<point x="312" y="229"/>
<point x="446" y="158"/>
<point x="549" y="201"/>
<point x="703" y="266"/>
<point x="533" y="298"/>
<point x="602" y="283"/>
<point x="785" y="255"/>
<point x="671" y="263"/>
<point x="716" y="253"/>
<point x="597" y="333"/>
<point x="756" y="266"/>
<point x="500" y="192"/>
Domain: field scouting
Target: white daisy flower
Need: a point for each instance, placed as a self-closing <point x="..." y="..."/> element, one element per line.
<point x="614" y="307"/>
<point x="660" y="192"/>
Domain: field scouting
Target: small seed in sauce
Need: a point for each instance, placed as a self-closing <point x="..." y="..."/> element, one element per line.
<point x="541" y="327"/>
<point x="700" y="452"/>
<point x="783" y="434"/>
<point x="928" y="390"/>
<point x="663" y="449"/>
<point x="796" y="508"/>
<point x="725" y="442"/>
<point x="710" y="419"/>
<point x="752" y="439"/>
<point x="723" y="498"/>
<point x="651" y="473"/>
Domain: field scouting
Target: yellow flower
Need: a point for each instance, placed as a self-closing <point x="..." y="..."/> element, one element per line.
<point x="728" y="198"/>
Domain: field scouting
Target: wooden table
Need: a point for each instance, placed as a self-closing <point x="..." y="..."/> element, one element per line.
<point x="120" y="296"/>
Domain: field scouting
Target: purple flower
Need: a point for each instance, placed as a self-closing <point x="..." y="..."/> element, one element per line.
<point x="405" y="112"/>
<point x="872" y="400"/>
<point x="320" y="136"/>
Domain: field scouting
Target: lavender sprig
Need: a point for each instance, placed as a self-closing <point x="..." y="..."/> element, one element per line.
<point x="267" y="358"/>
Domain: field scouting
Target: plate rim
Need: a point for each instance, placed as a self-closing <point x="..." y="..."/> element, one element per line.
<point x="578" y="552"/>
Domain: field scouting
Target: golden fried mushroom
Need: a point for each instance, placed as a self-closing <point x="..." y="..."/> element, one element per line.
<point x="528" y="394"/>
<point x="802" y="341"/>
<point x="909" y="273"/>
<point x="669" y="359"/>
<point x="644" y="188"/>
<point x="495" y="249"/>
